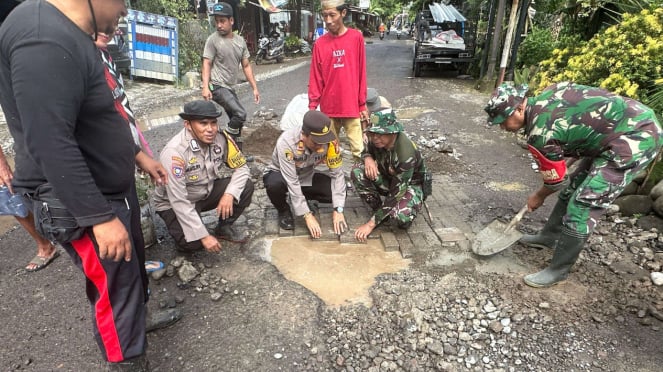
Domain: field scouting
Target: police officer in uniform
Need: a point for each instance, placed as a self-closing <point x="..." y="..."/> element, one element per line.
<point x="391" y="176"/>
<point x="615" y="138"/>
<point x="206" y="171"/>
<point x="298" y="151"/>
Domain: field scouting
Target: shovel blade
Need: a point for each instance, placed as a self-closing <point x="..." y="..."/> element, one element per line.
<point x="493" y="239"/>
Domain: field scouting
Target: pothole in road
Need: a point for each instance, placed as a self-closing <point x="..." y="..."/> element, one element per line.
<point x="338" y="274"/>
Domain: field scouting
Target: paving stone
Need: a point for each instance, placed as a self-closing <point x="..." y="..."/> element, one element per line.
<point x="425" y="241"/>
<point x="420" y="224"/>
<point x="286" y="233"/>
<point x="354" y="202"/>
<point x="450" y="234"/>
<point x="271" y="222"/>
<point x="348" y="237"/>
<point x="353" y="219"/>
<point x="405" y="245"/>
<point x="300" y="227"/>
<point x="327" y="225"/>
<point x="389" y="241"/>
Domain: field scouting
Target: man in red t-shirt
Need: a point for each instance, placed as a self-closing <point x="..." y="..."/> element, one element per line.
<point x="337" y="80"/>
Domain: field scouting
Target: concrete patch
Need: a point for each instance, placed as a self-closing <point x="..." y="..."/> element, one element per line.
<point x="509" y="186"/>
<point x="338" y="274"/>
<point x="412" y="112"/>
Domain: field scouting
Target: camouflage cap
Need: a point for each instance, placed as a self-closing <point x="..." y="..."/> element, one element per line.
<point x="384" y="122"/>
<point x="504" y="101"/>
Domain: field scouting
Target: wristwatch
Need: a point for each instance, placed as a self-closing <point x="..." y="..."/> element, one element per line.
<point x="339" y="209"/>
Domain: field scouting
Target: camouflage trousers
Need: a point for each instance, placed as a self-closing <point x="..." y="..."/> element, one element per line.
<point x="383" y="200"/>
<point x="598" y="181"/>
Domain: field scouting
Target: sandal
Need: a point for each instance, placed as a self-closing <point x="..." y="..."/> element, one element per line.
<point x="152" y="266"/>
<point x="42" y="262"/>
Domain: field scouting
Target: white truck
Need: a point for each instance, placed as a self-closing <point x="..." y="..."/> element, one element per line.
<point x="443" y="36"/>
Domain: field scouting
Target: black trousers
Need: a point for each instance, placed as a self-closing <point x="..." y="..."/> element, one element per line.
<point x="277" y="189"/>
<point x="227" y="98"/>
<point x="117" y="291"/>
<point x="211" y="202"/>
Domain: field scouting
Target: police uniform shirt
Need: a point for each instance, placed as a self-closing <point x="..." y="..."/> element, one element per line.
<point x="296" y="163"/>
<point x="192" y="169"/>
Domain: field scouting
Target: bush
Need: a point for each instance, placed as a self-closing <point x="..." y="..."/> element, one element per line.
<point x="625" y="59"/>
<point x="192" y="37"/>
<point x="538" y="46"/>
<point x="291" y="42"/>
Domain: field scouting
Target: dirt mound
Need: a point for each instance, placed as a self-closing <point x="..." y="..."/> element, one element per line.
<point x="261" y="141"/>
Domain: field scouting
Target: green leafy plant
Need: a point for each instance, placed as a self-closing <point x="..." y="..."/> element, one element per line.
<point x="625" y="59"/>
<point x="291" y="42"/>
<point x="143" y="187"/>
<point x="538" y="46"/>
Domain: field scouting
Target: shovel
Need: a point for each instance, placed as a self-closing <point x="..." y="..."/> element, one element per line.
<point x="497" y="236"/>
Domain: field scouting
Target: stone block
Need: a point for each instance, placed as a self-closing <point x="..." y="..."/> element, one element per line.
<point x="348" y="237"/>
<point x="300" y="227"/>
<point x="327" y="225"/>
<point x="425" y="241"/>
<point x="389" y="241"/>
<point x="404" y="244"/>
<point x="450" y="234"/>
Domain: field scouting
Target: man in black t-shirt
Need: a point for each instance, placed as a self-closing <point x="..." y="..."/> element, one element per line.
<point x="69" y="131"/>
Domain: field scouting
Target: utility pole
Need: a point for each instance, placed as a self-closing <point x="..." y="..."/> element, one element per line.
<point x="489" y="34"/>
<point x="522" y="18"/>
<point x="507" y="42"/>
<point x="495" y="44"/>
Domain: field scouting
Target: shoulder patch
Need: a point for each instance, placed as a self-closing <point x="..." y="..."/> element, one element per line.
<point x="177" y="160"/>
<point x="235" y="158"/>
<point x="177" y="170"/>
<point x="289" y="155"/>
<point x="334" y="156"/>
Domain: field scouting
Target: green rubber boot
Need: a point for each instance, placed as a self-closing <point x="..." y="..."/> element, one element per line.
<point x="566" y="253"/>
<point x="547" y="237"/>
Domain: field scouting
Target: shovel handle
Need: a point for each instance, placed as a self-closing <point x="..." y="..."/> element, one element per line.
<point x="516" y="218"/>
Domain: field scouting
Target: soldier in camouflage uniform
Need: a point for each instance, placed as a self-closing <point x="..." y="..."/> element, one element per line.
<point x="392" y="167"/>
<point x="614" y="137"/>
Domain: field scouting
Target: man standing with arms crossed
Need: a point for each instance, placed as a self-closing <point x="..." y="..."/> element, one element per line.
<point x="223" y="54"/>
<point x="337" y="79"/>
<point x="71" y="137"/>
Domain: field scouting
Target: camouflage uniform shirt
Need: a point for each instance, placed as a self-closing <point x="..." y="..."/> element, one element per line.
<point x="400" y="168"/>
<point x="567" y="119"/>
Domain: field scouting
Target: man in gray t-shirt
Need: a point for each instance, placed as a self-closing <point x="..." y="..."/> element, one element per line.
<point x="224" y="53"/>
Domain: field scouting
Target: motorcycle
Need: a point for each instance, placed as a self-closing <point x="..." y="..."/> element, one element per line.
<point x="381" y="35"/>
<point x="398" y="34"/>
<point x="269" y="49"/>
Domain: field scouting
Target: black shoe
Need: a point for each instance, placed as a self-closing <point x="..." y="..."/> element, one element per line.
<point x="286" y="221"/>
<point x="135" y="364"/>
<point x="373" y="202"/>
<point x="229" y="233"/>
<point x="313" y="207"/>
<point x="161" y="319"/>
<point x="404" y="225"/>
